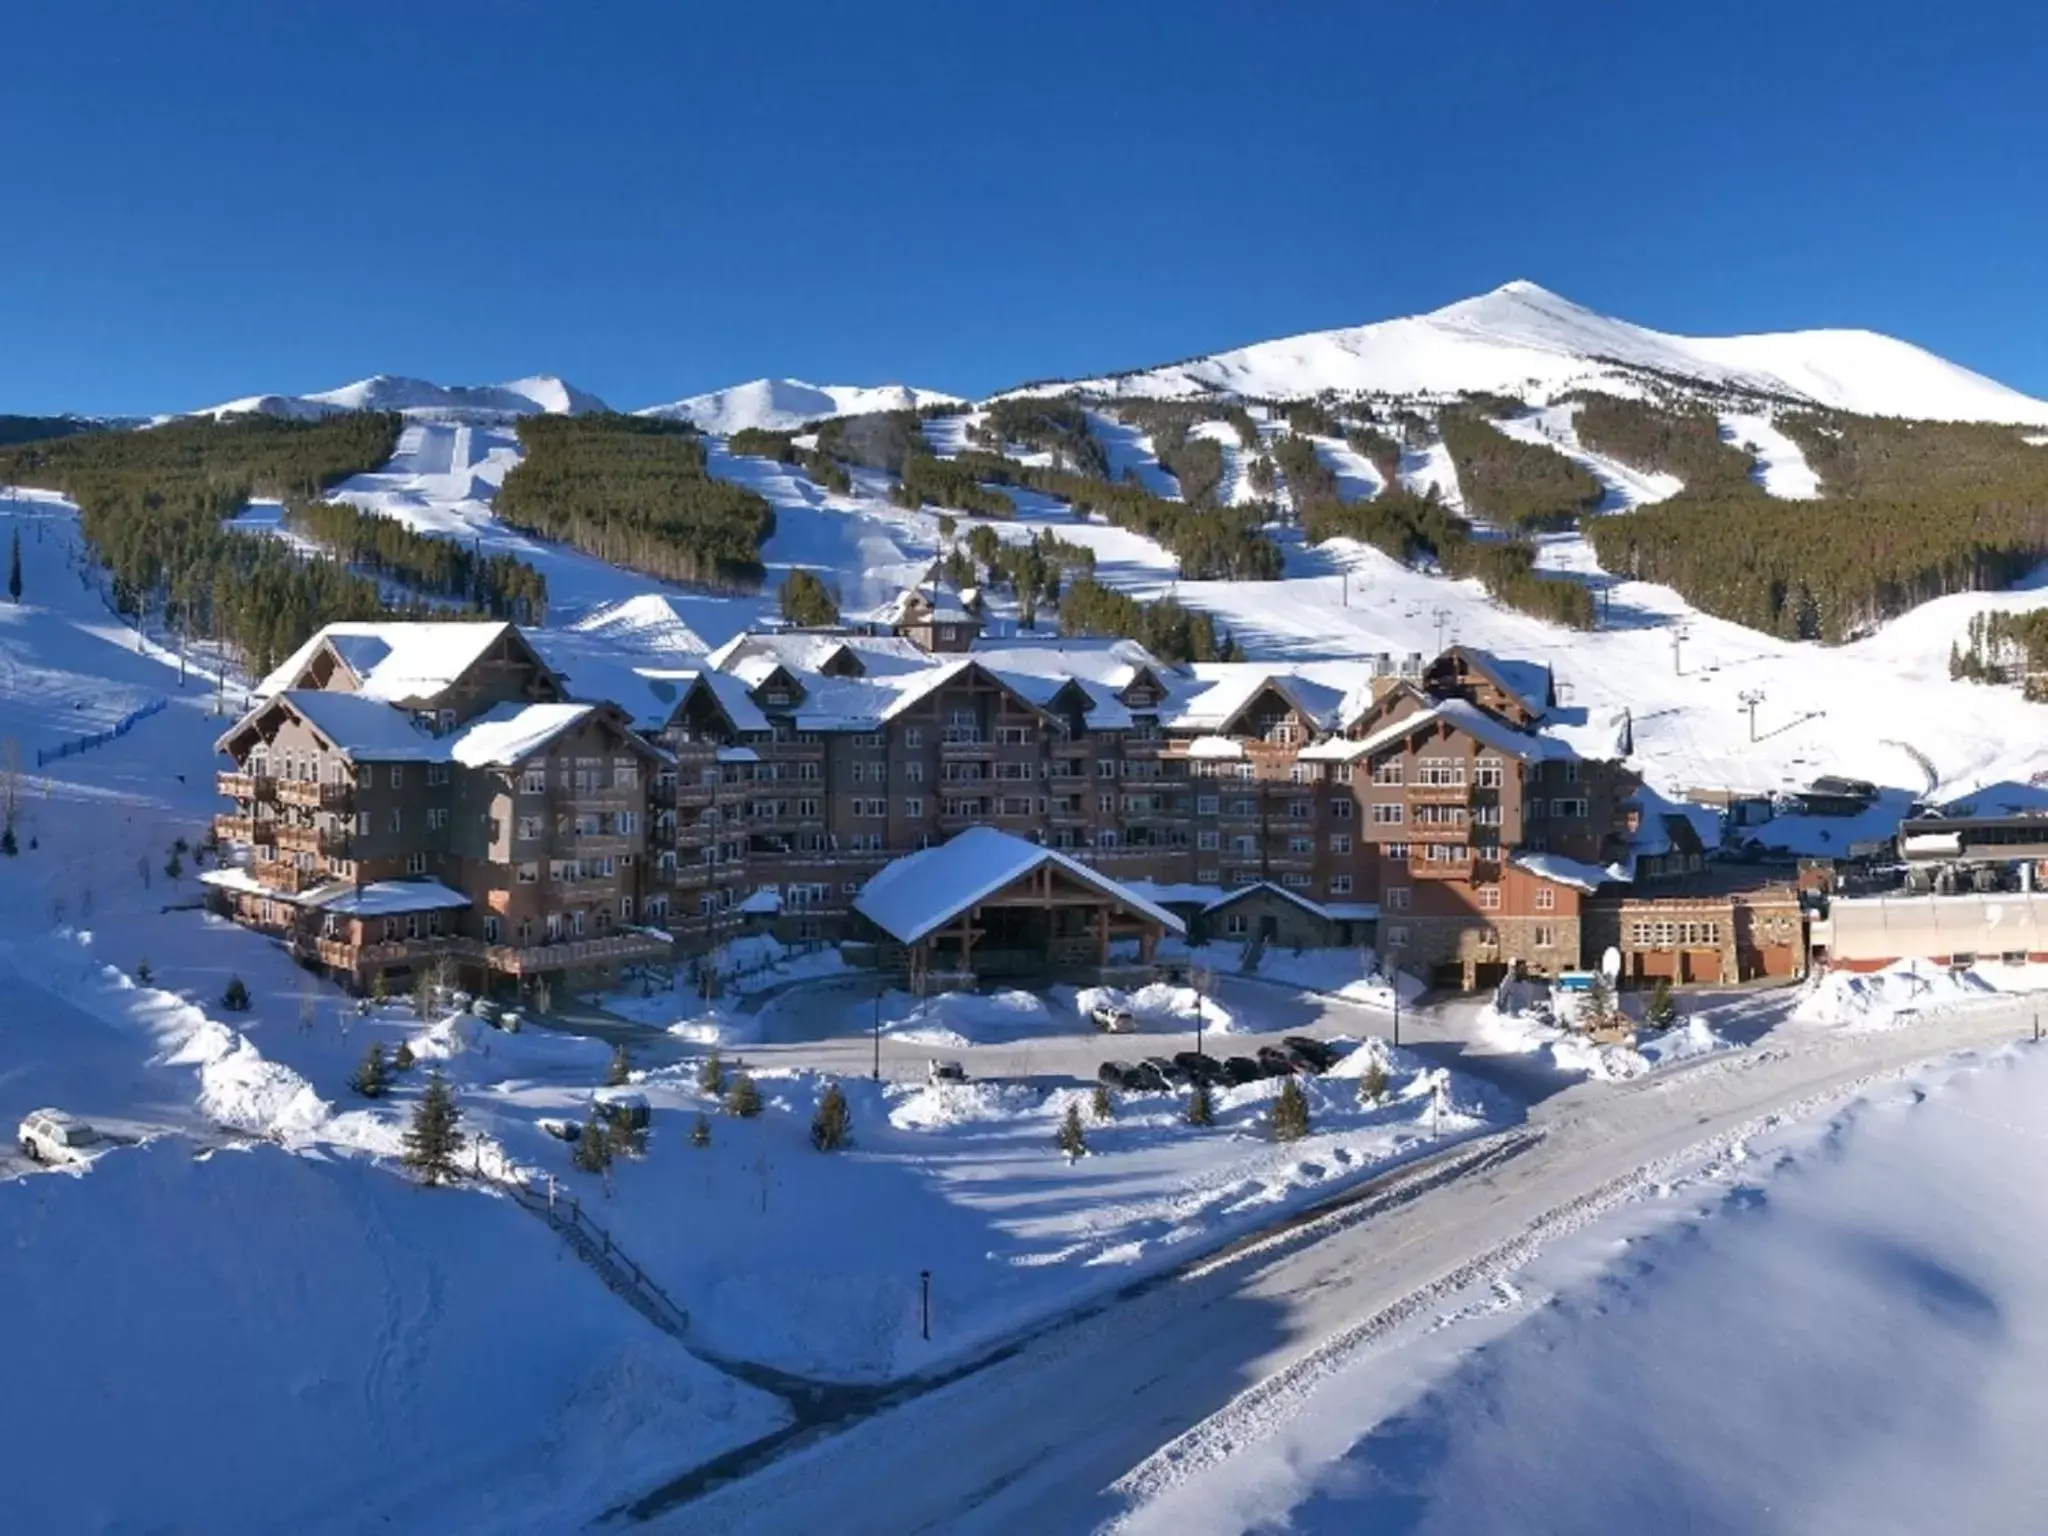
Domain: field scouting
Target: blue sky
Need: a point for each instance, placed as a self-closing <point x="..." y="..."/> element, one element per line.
<point x="656" y="200"/>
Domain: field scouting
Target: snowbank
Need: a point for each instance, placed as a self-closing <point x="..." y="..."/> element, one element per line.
<point x="1523" y="1020"/>
<point x="1159" y="1003"/>
<point x="1910" y="990"/>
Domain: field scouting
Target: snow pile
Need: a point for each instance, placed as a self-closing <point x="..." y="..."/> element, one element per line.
<point x="1158" y="1003"/>
<point x="1528" y="1019"/>
<point x="1909" y="990"/>
<point x="939" y="1105"/>
<point x="969" y="1018"/>
<point x="1887" y="1260"/>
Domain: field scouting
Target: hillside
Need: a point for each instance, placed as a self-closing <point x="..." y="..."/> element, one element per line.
<point x="778" y="405"/>
<point x="542" y="394"/>
<point x="1522" y="340"/>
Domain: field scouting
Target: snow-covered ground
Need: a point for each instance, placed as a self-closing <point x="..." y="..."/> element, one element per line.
<point x="1781" y="468"/>
<point x="1829" y="1328"/>
<point x="1908" y="991"/>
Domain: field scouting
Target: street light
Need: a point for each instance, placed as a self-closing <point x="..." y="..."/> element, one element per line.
<point x="879" y="988"/>
<point x="1394" y="984"/>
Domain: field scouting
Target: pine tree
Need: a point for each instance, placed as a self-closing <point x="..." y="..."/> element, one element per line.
<point x="402" y="1058"/>
<point x="700" y="1130"/>
<point x="625" y="1138"/>
<point x="1072" y="1139"/>
<point x="711" y="1075"/>
<point x="743" y="1099"/>
<point x="174" y="866"/>
<point x="593" y="1152"/>
<point x="236" y="998"/>
<point x="142" y="972"/>
<point x="831" y="1124"/>
<point x="1663" y="1009"/>
<point x="1290" y="1112"/>
<point x="1372" y="1086"/>
<point x="1102" y="1106"/>
<point x="432" y="1141"/>
<point x="620" y="1072"/>
<point x="8" y="845"/>
<point x="14" y="570"/>
<point x="1598" y="1010"/>
<point x="1201" y="1107"/>
<point x="380" y="989"/>
<point x="370" y="1079"/>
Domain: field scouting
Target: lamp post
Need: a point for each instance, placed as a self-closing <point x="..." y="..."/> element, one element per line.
<point x="878" y="1031"/>
<point x="1394" y="985"/>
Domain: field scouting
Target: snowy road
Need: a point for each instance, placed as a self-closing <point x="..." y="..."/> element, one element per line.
<point x="1063" y="1433"/>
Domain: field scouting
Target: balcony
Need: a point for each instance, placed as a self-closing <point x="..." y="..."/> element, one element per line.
<point x="314" y="795"/>
<point x="243" y="829"/>
<point x="306" y="839"/>
<point x="609" y="798"/>
<point x="593" y="845"/>
<point x="244" y="786"/>
<point x="1439" y="832"/>
<point x="974" y="748"/>
<point x="612" y="949"/>
<point x="284" y="878"/>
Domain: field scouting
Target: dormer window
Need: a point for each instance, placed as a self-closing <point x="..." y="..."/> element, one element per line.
<point x="776" y="697"/>
<point x="444" y="720"/>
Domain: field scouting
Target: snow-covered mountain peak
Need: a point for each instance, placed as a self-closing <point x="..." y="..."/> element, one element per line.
<point x="1522" y="339"/>
<point x="538" y="394"/>
<point x="780" y="404"/>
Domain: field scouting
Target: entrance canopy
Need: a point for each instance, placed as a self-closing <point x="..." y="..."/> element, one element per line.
<point x="915" y="896"/>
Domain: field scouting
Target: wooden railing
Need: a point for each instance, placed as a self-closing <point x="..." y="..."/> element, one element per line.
<point x="312" y="793"/>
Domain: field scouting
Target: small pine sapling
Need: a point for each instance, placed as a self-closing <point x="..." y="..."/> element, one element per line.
<point x="371" y="1079"/>
<point x="1201" y="1107"/>
<point x="236" y="998"/>
<point x="620" y="1072"/>
<point x="380" y="989"/>
<point x="1290" y="1112"/>
<point x="1102" y="1106"/>
<point x="1072" y="1139"/>
<point x="1663" y="1009"/>
<point x="433" y="1141"/>
<point x="742" y="1099"/>
<point x="402" y="1058"/>
<point x="700" y="1130"/>
<point x="711" y="1074"/>
<point x="831" y="1124"/>
<point x="1372" y="1086"/>
<point x="143" y="973"/>
<point x="593" y="1152"/>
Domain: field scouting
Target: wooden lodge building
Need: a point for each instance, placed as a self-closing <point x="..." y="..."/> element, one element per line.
<point x="529" y="806"/>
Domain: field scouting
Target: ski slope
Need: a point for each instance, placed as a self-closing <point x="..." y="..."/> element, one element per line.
<point x="1523" y="340"/>
<point x="542" y="394"/>
<point x="779" y="405"/>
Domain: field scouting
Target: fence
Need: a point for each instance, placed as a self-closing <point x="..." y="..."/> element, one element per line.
<point x="595" y="1247"/>
<point x="121" y="727"/>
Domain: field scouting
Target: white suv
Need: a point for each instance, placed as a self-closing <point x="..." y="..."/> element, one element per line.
<point x="51" y="1136"/>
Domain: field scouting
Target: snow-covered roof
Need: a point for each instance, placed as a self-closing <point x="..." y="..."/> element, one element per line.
<point x="380" y="898"/>
<point x="361" y="729"/>
<point x="911" y="896"/>
<point x="1224" y="689"/>
<point x="1230" y="898"/>
<point x="1175" y="893"/>
<point x="509" y="734"/>
<point x="1559" y="870"/>
<point x="767" y="899"/>
<point x="398" y="660"/>
<point x="1216" y="747"/>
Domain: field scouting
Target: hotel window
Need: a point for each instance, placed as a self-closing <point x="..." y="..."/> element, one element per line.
<point x="490" y="930"/>
<point x="1441" y="771"/>
<point x="437" y="773"/>
<point x="1340" y="885"/>
<point x="1388" y="813"/>
<point x="1486" y="773"/>
<point x="1295" y="880"/>
<point x="913" y="736"/>
<point x="1300" y="810"/>
<point x="1393" y="938"/>
<point x="1301" y="845"/>
<point x="1568" y="808"/>
<point x="1397" y="897"/>
<point x="535" y="781"/>
<point x="397" y="774"/>
<point x="1341" y="809"/>
<point x="1489" y="898"/>
<point x="437" y="817"/>
<point x="1340" y="842"/>
<point x="914" y="807"/>
<point x="1546" y="899"/>
<point x="1546" y="936"/>
<point x="1205" y="805"/>
<point x="1388" y="772"/>
<point x="395" y="823"/>
<point x="1207" y="839"/>
<point x="1396" y="850"/>
<point x="914" y="772"/>
<point x="529" y="874"/>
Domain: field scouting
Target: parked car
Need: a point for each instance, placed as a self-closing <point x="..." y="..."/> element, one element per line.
<point x="1169" y="1069"/>
<point x="1200" y="1066"/>
<point x="1112" y="1018"/>
<point x="51" y="1136"/>
<point x="1117" y="1074"/>
<point x="937" y="1071"/>
<point x="1274" y="1062"/>
<point x="1315" y="1055"/>
<point x="1241" y="1069"/>
<point x="1147" y="1078"/>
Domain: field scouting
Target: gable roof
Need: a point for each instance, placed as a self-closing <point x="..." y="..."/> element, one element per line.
<point x="920" y="892"/>
<point x="398" y="660"/>
<point x="361" y="729"/>
<point x="1228" y="898"/>
<point x="1531" y="685"/>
